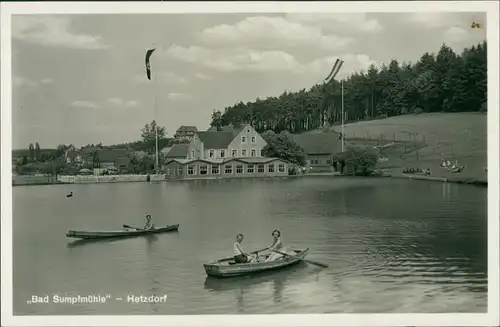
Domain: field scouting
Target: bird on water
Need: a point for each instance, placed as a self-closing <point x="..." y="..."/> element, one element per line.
<point x="69" y="195"/>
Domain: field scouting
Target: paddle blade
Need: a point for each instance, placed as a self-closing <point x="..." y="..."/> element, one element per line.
<point x="316" y="263"/>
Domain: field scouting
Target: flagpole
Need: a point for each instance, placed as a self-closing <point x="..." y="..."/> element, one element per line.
<point x="155" y="116"/>
<point x="342" y="105"/>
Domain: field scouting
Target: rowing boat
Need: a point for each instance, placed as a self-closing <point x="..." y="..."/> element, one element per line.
<point x="229" y="268"/>
<point x="120" y="233"/>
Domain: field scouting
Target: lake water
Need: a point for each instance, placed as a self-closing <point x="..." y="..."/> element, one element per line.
<point x="392" y="246"/>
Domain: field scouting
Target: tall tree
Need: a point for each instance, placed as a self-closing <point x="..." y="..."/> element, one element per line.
<point x="38" y="156"/>
<point x="31" y="150"/>
<point x="148" y="135"/>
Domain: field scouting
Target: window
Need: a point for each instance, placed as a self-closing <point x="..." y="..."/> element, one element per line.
<point x="315" y="162"/>
<point x="260" y="168"/>
<point x="243" y="139"/>
<point x="244" y="153"/>
<point x="281" y="168"/>
<point x="234" y="153"/>
<point x="328" y="161"/>
<point x="211" y="153"/>
<point x="222" y="153"/>
<point x="253" y="139"/>
<point x="191" y="170"/>
<point x="179" y="171"/>
<point x="271" y="168"/>
<point x="228" y="169"/>
<point x="239" y="169"/>
<point x="215" y="169"/>
<point x="250" y="169"/>
<point x="169" y="172"/>
<point x="253" y="153"/>
<point x="203" y="169"/>
<point x="192" y="153"/>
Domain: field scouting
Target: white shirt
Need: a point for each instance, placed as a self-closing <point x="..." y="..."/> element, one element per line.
<point x="236" y="248"/>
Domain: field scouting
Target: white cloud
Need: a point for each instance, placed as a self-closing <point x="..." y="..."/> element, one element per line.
<point x="123" y="103"/>
<point x="433" y="20"/>
<point x="241" y="59"/>
<point x="47" y="81"/>
<point x="131" y="103"/>
<point x="84" y="104"/>
<point x="174" y="96"/>
<point x="275" y="31"/>
<point x="238" y="59"/>
<point x="53" y="31"/>
<point x="456" y="35"/>
<point x="348" y="22"/>
<point x="23" y="82"/>
<point x="203" y="76"/>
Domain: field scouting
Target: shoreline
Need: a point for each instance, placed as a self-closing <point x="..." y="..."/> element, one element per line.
<point x="456" y="180"/>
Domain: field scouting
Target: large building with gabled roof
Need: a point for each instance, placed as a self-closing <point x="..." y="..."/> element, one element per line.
<point x="232" y="151"/>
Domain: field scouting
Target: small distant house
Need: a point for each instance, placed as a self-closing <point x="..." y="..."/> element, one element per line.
<point x="108" y="157"/>
<point x="185" y="133"/>
<point x="124" y="165"/>
<point x="71" y="155"/>
<point x="319" y="149"/>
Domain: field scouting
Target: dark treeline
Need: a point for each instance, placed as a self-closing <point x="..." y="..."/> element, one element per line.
<point x="446" y="82"/>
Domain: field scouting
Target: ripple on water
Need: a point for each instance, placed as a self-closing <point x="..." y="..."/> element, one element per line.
<point x="391" y="246"/>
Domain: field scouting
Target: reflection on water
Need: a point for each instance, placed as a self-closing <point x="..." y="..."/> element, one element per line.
<point x="391" y="246"/>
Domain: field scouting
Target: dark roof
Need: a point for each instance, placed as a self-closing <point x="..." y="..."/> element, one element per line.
<point x="178" y="151"/>
<point x="319" y="143"/>
<point x="87" y="149"/>
<point x="216" y="140"/>
<point x="122" y="161"/>
<point x="184" y="128"/>
<point x="106" y="155"/>
<point x="228" y="128"/>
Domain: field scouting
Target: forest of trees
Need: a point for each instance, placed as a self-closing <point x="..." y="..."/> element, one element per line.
<point x="446" y="82"/>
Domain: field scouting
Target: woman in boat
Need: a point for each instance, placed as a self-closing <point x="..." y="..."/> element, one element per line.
<point x="239" y="255"/>
<point x="276" y="246"/>
<point x="149" y="225"/>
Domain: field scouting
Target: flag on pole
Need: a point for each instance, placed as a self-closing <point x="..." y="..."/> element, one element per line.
<point x="335" y="70"/>
<point x="148" y="64"/>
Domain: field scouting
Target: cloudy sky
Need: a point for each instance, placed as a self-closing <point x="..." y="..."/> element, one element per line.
<point x="81" y="78"/>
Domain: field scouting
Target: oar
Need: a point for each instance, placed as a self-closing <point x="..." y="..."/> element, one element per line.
<point x="127" y="226"/>
<point x="308" y="261"/>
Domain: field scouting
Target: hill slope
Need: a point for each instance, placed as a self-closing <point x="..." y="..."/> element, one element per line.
<point x="458" y="137"/>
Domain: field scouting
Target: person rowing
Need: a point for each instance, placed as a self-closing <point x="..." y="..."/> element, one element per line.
<point x="241" y="256"/>
<point x="149" y="225"/>
<point x="276" y="246"/>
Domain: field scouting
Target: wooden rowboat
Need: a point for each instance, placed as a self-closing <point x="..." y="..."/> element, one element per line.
<point x="120" y="233"/>
<point x="228" y="268"/>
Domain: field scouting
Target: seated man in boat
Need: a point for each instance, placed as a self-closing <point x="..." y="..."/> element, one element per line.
<point x="276" y="246"/>
<point x="239" y="255"/>
<point x="149" y="225"/>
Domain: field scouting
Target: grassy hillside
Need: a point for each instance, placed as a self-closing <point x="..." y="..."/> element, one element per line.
<point x="421" y="141"/>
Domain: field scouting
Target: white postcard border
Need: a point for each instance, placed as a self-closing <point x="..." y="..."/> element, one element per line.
<point x="488" y="319"/>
